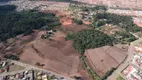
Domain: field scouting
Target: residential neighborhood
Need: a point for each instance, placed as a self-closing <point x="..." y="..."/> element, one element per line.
<point x="70" y="40"/>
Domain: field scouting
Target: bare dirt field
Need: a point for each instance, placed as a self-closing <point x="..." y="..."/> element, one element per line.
<point x="66" y="21"/>
<point x="55" y="54"/>
<point x="104" y="58"/>
<point x="110" y="29"/>
<point x="74" y="27"/>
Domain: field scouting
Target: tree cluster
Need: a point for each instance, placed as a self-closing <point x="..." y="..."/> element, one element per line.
<point x="14" y="23"/>
<point x="77" y="21"/>
<point x="108" y="73"/>
<point x="6" y="8"/>
<point x="125" y="22"/>
<point x="11" y="56"/>
<point x="87" y="39"/>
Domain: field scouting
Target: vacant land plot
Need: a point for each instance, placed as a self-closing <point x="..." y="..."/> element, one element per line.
<point x="17" y="46"/>
<point x="54" y="54"/>
<point x="15" y="67"/>
<point x="104" y="58"/>
<point x="74" y="27"/>
<point x="107" y="29"/>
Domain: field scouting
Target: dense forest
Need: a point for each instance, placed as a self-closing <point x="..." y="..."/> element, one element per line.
<point x="14" y="23"/>
<point x="123" y="21"/>
<point x="87" y="39"/>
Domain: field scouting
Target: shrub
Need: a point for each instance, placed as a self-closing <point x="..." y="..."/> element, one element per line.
<point x="77" y="21"/>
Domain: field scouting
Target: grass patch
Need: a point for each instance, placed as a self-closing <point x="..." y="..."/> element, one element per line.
<point x="120" y="78"/>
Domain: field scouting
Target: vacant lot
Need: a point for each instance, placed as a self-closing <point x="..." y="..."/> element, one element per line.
<point x="104" y="58"/>
<point x="74" y="27"/>
<point x="54" y="54"/>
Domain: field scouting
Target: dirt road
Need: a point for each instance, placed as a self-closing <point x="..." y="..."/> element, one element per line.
<point x="127" y="62"/>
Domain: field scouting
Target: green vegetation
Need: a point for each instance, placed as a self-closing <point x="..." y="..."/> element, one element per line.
<point x="14" y="23"/>
<point x="6" y="8"/>
<point x="99" y="7"/>
<point x="11" y="56"/>
<point x="124" y="37"/>
<point x="99" y="23"/>
<point x="77" y="21"/>
<point x="119" y="78"/>
<point x="92" y="74"/>
<point x="123" y="21"/>
<point x="87" y="39"/>
<point x="108" y="73"/>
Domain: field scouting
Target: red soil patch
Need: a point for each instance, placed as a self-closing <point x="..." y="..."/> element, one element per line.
<point x="66" y="21"/>
<point x="104" y="58"/>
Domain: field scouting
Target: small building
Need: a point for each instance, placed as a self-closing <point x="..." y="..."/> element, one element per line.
<point x="137" y="61"/>
<point x="44" y="77"/>
<point x="132" y="73"/>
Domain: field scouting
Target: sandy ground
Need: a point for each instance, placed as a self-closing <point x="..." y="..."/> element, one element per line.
<point x="56" y="54"/>
<point x="104" y="58"/>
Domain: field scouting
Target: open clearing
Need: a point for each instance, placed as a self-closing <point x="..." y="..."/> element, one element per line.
<point x="15" y="67"/>
<point x="55" y="54"/>
<point x="103" y="59"/>
<point x="74" y="27"/>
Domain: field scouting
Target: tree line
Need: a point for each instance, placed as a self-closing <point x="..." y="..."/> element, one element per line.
<point x="87" y="39"/>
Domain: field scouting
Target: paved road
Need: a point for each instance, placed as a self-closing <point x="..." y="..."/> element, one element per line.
<point x="127" y="62"/>
<point x="117" y="72"/>
<point x="29" y="67"/>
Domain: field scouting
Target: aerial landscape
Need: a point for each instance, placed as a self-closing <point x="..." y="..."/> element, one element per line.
<point x="70" y="40"/>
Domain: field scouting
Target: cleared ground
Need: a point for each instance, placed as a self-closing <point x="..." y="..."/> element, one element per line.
<point x="15" y="67"/>
<point x="103" y="59"/>
<point x="55" y="54"/>
<point x="74" y="27"/>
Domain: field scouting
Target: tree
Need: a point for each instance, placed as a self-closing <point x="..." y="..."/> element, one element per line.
<point x="87" y="39"/>
<point x="77" y="21"/>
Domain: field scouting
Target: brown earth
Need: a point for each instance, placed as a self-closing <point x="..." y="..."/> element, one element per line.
<point x="66" y="21"/>
<point x="74" y="27"/>
<point x="103" y="59"/>
<point x="56" y="54"/>
<point x="109" y="29"/>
